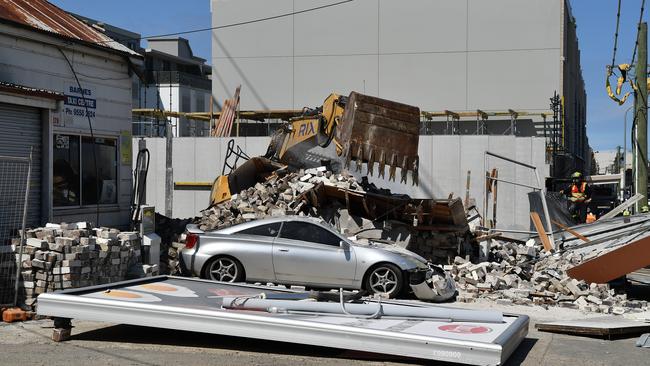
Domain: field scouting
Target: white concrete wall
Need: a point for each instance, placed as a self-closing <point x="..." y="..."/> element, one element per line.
<point x="32" y="59"/>
<point x="444" y="162"/>
<point x="443" y="54"/>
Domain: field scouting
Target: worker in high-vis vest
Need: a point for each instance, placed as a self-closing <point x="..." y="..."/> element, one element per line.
<point x="579" y="195"/>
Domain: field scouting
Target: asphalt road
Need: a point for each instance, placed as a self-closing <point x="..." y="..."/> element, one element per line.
<point x="101" y="344"/>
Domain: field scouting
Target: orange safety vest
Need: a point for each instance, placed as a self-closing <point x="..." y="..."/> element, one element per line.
<point x="578" y="193"/>
<point x="590" y="218"/>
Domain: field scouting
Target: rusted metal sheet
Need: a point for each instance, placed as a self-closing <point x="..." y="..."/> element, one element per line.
<point x="44" y="16"/>
<point x="432" y="215"/>
<point x="25" y="90"/>
<point x="375" y="130"/>
<point x="615" y="263"/>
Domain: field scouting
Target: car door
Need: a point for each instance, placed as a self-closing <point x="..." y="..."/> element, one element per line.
<point x="256" y="251"/>
<point x="305" y="253"/>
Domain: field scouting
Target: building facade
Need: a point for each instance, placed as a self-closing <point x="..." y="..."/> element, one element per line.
<point x="67" y="96"/>
<point x="460" y="56"/>
<point x="176" y="81"/>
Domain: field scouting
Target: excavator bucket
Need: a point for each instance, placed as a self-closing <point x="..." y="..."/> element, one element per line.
<point x="374" y="130"/>
<point x="255" y="170"/>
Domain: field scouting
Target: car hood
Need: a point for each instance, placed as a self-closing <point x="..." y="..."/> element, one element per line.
<point x="404" y="253"/>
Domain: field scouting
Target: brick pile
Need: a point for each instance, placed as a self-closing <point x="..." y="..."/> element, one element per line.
<point x="66" y="256"/>
<point x="524" y="275"/>
<point x="278" y="196"/>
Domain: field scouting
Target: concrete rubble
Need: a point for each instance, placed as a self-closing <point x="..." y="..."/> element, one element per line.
<point x="278" y="196"/>
<point x="71" y="255"/>
<point x="523" y="274"/>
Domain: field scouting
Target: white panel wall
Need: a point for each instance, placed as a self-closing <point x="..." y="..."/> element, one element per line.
<point x="444" y="162"/>
<point x="497" y="25"/>
<point x="350" y="29"/>
<point x="442" y="54"/>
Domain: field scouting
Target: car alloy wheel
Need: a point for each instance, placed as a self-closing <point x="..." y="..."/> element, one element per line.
<point x="385" y="280"/>
<point x="224" y="269"/>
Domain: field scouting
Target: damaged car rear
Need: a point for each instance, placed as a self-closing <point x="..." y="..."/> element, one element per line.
<point x="292" y="250"/>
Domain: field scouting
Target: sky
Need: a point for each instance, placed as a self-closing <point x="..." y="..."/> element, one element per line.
<point x="596" y="20"/>
<point x="150" y="17"/>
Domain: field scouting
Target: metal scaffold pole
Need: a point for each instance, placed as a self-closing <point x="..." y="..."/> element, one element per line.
<point x="169" y="172"/>
<point x="641" y="117"/>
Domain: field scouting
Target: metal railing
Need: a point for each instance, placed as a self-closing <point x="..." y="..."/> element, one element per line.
<point x="15" y="173"/>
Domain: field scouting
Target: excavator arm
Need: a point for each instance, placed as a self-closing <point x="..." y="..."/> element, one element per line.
<point x="361" y="128"/>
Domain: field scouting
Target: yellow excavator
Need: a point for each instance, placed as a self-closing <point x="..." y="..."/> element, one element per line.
<point x="358" y="128"/>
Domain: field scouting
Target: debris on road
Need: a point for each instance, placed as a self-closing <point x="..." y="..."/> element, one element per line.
<point x="524" y="274"/>
<point x="607" y="327"/>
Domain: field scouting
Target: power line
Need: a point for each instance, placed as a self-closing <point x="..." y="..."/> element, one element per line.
<point x="232" y="24"/>
<point x="618" y="20"/>
<point x="638" y="29"/>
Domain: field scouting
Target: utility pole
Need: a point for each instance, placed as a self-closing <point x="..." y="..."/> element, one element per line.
<point x="641" y="116"/>
<point x="169" y="171"/>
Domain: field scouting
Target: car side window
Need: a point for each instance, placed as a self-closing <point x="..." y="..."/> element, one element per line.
<point x="305" y="231"/>
<point x="270" y="230"/>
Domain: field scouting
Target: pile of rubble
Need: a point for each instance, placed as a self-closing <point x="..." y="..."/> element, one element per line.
<point x="278" y="196"/>
<point x="524" y="274"/>
<point x="75" y="255"/>
<point x="294" y="193"/>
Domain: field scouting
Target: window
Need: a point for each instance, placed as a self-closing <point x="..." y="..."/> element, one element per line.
<point x="65" y="177"/>
<point x="305" y="231"/>
<point x="104" y="178"/>
<point x="199" y="103"/>
<point x="75" y="181"/>
<point x="270" y="230"/>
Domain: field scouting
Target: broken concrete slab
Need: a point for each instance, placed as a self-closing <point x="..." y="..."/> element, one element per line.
<point x="609" y="327"/>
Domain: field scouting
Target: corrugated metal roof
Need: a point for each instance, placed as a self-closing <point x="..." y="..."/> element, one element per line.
<point x="44" y="16"/>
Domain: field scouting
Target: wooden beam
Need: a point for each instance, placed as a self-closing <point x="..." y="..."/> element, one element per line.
<point x="571" y="231"/>
<point x="541" y="232"/>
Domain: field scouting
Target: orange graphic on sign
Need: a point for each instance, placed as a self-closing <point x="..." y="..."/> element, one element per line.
<point x="159" y="287"/>
<point x="123" y="294"/>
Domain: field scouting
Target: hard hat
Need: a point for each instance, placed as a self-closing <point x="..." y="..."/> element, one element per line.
<point x="626" y="212"/>
<point x="576" y="175"/>
<point x="645" y="209"/>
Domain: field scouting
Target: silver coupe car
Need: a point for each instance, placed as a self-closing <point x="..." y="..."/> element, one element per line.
<point x="294" y="250"/>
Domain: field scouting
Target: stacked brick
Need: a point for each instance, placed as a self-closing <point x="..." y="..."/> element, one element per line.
<point x="66" y="256"/>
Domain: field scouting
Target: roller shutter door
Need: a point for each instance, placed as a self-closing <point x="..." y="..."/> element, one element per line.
<point x="20" y="130"/>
